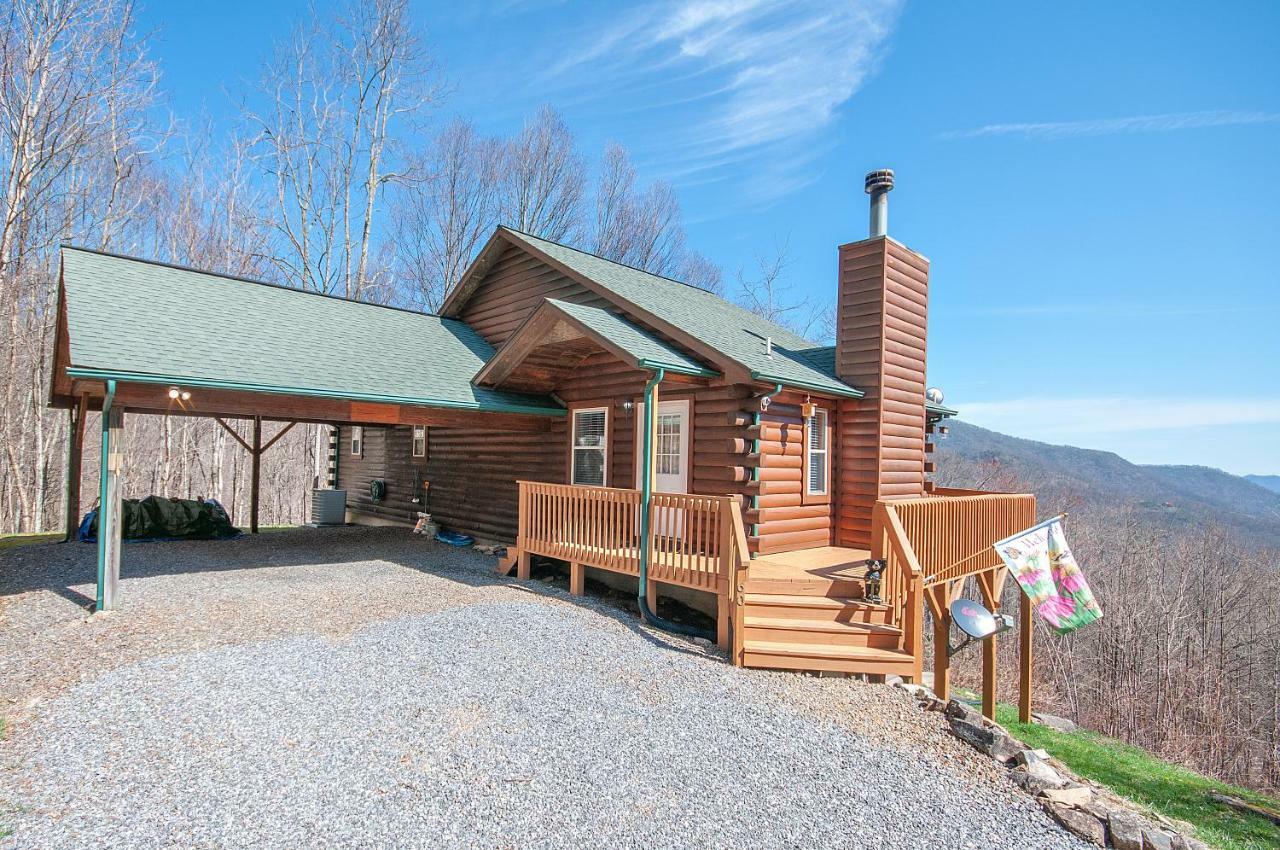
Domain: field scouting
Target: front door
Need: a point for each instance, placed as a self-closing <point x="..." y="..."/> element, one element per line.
<point x="670" y="458"/>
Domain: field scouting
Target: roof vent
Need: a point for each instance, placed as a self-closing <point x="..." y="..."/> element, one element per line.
<point x="878" y="184"/>
<point x="768" y="346"/>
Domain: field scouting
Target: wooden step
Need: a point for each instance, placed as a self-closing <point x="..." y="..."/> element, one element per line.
<point x="824" y="657"/>
<point x="828" y="609"/>
<point x="851" y="588"/>
<point x="826" y="632"/>
<point x="506" y="564"/>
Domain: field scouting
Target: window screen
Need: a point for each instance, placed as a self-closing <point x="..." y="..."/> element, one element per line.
<point x="589" y="447"/>
<point x="419" y="441"/>
<point x="817" y="483"/>
<point x="357" y="440"/>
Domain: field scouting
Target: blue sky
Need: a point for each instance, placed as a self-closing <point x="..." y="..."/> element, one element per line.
<point x="1097" y="185"/>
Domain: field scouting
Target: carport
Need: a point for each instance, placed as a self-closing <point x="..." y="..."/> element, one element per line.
<point x="142" y="337"/>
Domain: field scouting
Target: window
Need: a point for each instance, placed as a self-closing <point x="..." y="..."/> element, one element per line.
<point x="668" y="454"/>
<point x="589" y="445"/>
<point x="419" y="440"/>
<point x="357" y="440"/>
<point x="817" y="469"/>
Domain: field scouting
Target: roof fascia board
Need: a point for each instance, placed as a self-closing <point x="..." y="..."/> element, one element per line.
<point x="147" y="378"/>
<point x="805" y="385"/>
<point x="460" y="294"/>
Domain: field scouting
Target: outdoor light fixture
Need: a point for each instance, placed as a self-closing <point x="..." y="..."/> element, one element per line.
<point x="976" y="622"/>
<point x="174" y="392"/>
<point x="943" y="431"/>
<point x="628" y="405"/>
<point x="808" y="410"/>
<point x="186" y="396"/>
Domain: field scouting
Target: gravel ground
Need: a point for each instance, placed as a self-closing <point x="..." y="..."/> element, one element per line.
<point x="364" y="688"/>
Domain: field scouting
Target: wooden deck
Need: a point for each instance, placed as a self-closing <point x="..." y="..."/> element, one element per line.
<point x="824" y="571"/>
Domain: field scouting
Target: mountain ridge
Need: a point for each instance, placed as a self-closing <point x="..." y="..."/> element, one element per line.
<point x="1174" y="496"/>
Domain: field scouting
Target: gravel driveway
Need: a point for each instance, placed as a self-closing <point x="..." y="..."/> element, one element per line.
<point x="365" y="688"/>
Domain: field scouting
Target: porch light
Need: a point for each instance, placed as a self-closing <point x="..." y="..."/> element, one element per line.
<point x="174" y="392"/>
<point x="628" y="406"/>
<point x="186" y="396"/>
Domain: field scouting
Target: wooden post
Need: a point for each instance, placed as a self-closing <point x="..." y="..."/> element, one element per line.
<point x="991" y="583"/>
<point x="523" y="567"/>
<point x="109" y="525"/>
<point x="1024" y="659"/>
<point x="256" y="454"/>
<point x="724" y="611"/>
<point x="941" y="656"/>
<point x="651" y="594"/>
<point x="75" y="455"/>
<point x="577" y="578"/>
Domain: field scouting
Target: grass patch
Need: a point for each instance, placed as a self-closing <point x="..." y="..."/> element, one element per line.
<point x="13" y="541"/>
<point x="1169" y="789"/>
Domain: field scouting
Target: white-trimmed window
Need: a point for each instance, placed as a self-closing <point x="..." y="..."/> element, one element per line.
<point x="817" y="463"/>
<point x="357" y="440"/>
<point x="590" y="446"/>
<point x="419" y="440"/>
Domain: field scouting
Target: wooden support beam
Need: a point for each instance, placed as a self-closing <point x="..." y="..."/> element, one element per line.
<point x="577" y="578"/>
<point x="523" y="567"/>
<point x="256" y="481"/>
<point x="941" y="654"/>
<point x="724" y="614"/>
<point x="1024" y="659"/>
<point x="233" y="433"/>
<point x="75" y="464"/>
<point x="991" y="583"/>
<point x="285" y="430"/>
<point x="109" y="524"/>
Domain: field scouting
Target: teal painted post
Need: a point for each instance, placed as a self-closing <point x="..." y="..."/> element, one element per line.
<point x="109" y="525"/>
<point x="755" y="450"/>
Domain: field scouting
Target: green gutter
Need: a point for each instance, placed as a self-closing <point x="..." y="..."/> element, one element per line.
<point x="939" y="410"/>
<point x="700" y="372"/>
<point x="213" y="383"/>
<point x="827" y="389"/>
<point x="110" y="398"/>
<point x="646" y="510"/>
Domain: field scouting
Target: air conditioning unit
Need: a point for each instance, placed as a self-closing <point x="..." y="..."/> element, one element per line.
<point x="328" y="507"/>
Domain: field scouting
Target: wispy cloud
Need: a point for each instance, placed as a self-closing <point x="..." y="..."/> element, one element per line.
<point x="1111" y="126"/>
<point x="1063" y="419"/>
<point x="723" y="83"/>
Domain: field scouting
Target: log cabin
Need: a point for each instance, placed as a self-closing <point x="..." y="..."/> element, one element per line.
<point x="578" y="409"/>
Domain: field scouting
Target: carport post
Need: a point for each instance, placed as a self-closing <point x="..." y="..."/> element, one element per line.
<point x="109" y="526"/>
<point x="75" y="455"/>
<point x="256" y="454"/>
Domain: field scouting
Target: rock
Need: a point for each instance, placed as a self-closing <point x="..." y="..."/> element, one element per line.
<point x="1126" y="830"/>
<point x="1185" y="842"/>
<point x="1080" y="822"/>
<point x="963" y="711"/>
<point x="1037" y="777"/>
<point x="1156" y="839"/>
<point x="1030" y="757"/>
<point x="1078" y="796"/>
<point x="702" y="642"/>
<point x="993" y="741"/>
<point x="1060" y="724"/>
<point x="893" y="680"/>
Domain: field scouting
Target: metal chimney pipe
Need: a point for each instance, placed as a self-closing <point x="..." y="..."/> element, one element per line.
<point x="878" y="185"/>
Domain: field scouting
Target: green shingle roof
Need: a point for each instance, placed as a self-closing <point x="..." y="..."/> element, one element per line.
<point x="735" y="332"/>
<point x="133" y="319"/>
<point x="646" y="349"/>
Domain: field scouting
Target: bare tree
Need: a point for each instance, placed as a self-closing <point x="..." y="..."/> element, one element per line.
<point x="543" y="179"/>
<point x="768" y="294"/>
<point x="334" y="97"/>
<point x="438" y="222"/>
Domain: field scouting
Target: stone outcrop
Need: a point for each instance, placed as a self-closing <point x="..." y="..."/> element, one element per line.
<point x="1085" y="808"/>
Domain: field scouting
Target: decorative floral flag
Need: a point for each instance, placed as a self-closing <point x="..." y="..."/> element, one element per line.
<point x="1041" y="561"/>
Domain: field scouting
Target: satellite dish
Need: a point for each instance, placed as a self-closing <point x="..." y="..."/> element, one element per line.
<point x="934" y="395"/>
<point x="976" y="622"/>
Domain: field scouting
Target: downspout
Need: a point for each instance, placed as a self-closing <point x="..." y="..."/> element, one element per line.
<point x="646" y="501"/>
<point x="755" y="450"/>
<point x="107" y="401"/>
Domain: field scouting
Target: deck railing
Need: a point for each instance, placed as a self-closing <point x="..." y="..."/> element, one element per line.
<point x="927" y="541"/>
<point x="952" y="535"/>
<point x="692" y="542"/>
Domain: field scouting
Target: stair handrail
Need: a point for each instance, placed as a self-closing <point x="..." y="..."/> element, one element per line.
<point x="901" y="582"/>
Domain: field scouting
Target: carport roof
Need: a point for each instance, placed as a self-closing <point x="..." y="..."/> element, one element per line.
<point x="139" y="320"/>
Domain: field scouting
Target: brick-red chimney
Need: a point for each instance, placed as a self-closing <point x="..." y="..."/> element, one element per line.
<point x="881" y="330"/>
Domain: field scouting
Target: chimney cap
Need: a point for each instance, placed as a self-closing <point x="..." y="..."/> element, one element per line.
<point x="880" y="180"/>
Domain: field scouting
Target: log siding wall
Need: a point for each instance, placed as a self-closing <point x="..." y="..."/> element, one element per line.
<point x="388" y="455"/>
